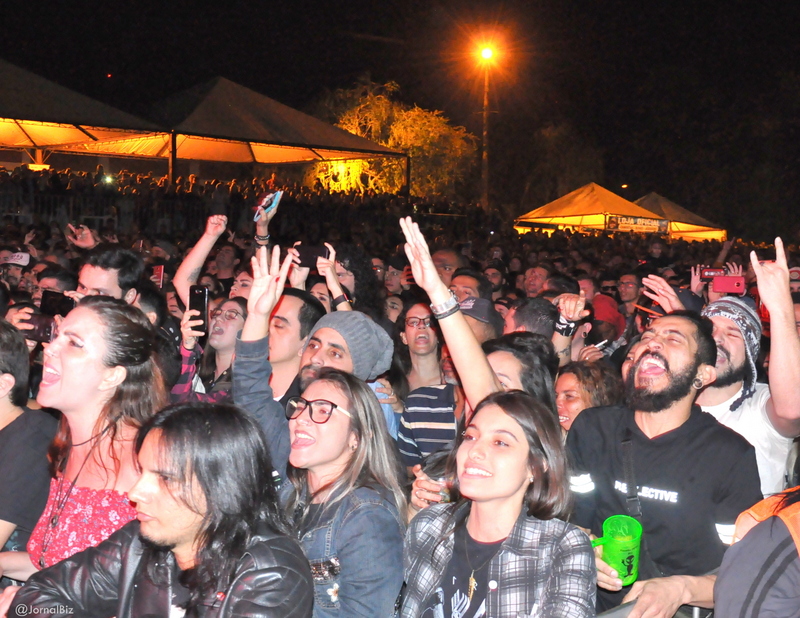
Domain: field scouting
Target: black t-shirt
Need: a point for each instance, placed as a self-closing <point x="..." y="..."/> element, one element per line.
<point x="226" y="284"/>
<point x="470" y="558"/>
<point x="24" y="475"/>
<point x="693" y="482"/>
<point x="24" y="469"/>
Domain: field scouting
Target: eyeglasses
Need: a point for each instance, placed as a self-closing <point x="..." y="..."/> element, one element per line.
<point x="320" y="410"/>
<point x="627" y="284"/>
<point x="229" y="314"/>
<point x="378" y="269"/>
<point x="418" y="322"/>
<point x="608" y="288"/>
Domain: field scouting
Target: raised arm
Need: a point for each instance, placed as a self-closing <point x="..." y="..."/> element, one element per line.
<point x="784" y="362"/>
<point x="192" y="265"/>
<point x="473" y="368"/>
<point x="251" y="368"/>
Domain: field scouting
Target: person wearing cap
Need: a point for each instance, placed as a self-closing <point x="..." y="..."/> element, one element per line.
<point x="13" y="267"/>
<point x="767" y="416"/>
<point x="344" y="498"/>
<point x="482" y="318"/>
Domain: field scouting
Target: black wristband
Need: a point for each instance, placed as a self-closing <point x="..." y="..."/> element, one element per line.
<point x="564" y="327"/>
<point x="339" y="300"/>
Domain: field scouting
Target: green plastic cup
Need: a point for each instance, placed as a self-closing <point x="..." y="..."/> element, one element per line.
<point x="622" y="537"/>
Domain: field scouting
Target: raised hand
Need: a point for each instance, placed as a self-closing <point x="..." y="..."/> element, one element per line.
<point x="269" y="280"/>
<point x="572" y="306"/>
<point x="297" y="274"/>
<point x="773" y="279"/>
<point x="422" y="266"/>
<point x="216" y="225"/>
<point x="657" y="289"/>
<point x="698" y="285"/>
<point x="82" y="237"/>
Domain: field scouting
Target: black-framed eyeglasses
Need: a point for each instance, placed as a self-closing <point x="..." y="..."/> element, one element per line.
<point x="608" y="288"/>
<point x="418" y="322"/>
<point x="319" y="410"/>
<point x="229" y="314"/>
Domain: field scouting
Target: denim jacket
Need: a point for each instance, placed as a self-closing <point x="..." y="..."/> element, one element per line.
<point x="355" y="548"/>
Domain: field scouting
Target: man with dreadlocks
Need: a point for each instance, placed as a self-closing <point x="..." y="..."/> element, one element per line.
<point x="767" y="416"/>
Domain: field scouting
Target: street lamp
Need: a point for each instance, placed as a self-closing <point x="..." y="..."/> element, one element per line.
<point x="486" y="54"/>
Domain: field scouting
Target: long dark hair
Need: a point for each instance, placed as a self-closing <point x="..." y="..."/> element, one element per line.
<point x="130" y="343"/>
<point x="223" y="450"/>
<point x="401" y="358"/>
<point x="548" y="496"/>
<point x="367" y="293"/>
<point x="208" y="363"/>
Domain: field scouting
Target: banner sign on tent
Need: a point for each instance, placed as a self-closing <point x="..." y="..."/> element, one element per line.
<point x="637" y="224"/>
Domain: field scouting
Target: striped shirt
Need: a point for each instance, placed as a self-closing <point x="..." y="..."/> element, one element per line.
<point x="428" y="423"/>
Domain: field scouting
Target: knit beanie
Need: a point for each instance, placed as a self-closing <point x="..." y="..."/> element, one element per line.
<point x="370" y="347"/>
<point x="749" y="324"/>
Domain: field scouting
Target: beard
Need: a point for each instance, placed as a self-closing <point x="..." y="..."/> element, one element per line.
<point x="732" y="374"/>
<point x="642" y="399"/>
<point x="308" y="374"/>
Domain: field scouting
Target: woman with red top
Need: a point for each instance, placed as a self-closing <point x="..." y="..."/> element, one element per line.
<point x="100" y="372"/>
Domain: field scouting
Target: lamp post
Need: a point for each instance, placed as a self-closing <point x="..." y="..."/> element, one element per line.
<point x="486" y="55"/>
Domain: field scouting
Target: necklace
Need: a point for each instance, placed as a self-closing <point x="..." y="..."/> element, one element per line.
<point x="61" y="502"/>
<point x="473" y="584"/>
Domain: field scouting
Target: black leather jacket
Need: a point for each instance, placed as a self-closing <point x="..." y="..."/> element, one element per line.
<point x="273" y="580"/>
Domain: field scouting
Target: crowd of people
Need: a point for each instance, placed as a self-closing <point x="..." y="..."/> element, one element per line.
<point x="299" y="411"/>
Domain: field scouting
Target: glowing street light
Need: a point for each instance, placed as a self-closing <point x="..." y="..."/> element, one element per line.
<point x="485" y="54"/>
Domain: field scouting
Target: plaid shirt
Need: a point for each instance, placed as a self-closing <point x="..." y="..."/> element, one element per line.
<point x="183" y="390"/>
<point x="543" y="569"/>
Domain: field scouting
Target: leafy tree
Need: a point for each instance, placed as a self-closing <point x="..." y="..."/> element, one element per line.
<point x="441" y="154"/>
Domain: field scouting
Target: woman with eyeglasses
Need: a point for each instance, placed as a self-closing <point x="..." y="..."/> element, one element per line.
<point x="342" y="494"/>
<point x="206" y="375"/>
<point x="430" y="406"/>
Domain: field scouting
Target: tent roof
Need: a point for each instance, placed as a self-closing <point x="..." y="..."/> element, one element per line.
<point x="225" y="110"/>
<point x="668" y="209"/>
<point x="35" y="112"/>
<point x="591" y="199"/>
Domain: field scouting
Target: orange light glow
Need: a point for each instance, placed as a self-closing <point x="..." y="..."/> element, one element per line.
<point x="487" y="53"/>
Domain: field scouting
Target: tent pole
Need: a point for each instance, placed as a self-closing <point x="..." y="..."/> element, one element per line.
<point x="173" y="156"/>
<point x="408" y="180"/>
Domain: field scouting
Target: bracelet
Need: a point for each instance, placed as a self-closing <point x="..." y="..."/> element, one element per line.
<point x="439" y="311"/>
<point x="448" y="313"/>
<point x="339" y="300"/>
<point x="262" y="238"/>
<point x="564" y="327"/>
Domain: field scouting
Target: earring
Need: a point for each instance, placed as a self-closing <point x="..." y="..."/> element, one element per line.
<point x="697" y="383"/>
<point x="353" y="447"/>
<point x="530" y="480"/>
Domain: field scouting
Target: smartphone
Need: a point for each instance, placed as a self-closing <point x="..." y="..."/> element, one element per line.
<point x="55" y="303"/>
<point x="707" y="274"/>
<point x="267" y="201"/>
<point x="728" y="285"/>
<point x="309" y="255"/>
<point x="158" y="275"/>
<point x="42" y="328"/>
<point x="198" y="300"/>
<point x="407" y="278"/>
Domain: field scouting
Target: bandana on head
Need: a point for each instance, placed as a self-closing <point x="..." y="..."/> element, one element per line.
<point x="749" y="324"/>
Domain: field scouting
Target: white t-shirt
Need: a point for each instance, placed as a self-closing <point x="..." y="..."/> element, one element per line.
<point x="750" y="420"/>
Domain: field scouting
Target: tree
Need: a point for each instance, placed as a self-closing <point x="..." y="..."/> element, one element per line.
<point x="441" y="154"/>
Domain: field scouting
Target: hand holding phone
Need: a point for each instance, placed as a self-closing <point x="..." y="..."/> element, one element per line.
<point x="198" y="301"/>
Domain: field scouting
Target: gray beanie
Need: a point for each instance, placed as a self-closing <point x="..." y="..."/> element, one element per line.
<point x="370" y="347"/>
<point x="746" y="319"/>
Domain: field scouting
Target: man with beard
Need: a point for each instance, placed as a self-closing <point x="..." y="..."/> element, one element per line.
<point x="767" y="416"/>
<point x="689" y="476"/>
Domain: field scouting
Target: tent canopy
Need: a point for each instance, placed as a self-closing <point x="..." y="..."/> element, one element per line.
<point x="682" y="223"/>
<point x="589" y="207"/>
<point x="215" y="121"/>
<point x="37" y="113"/>
<point x="593" y="207"/>
<point x="224" y="121"/>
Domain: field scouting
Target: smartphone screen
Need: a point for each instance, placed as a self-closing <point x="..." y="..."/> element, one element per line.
<point x="198" y="300"/>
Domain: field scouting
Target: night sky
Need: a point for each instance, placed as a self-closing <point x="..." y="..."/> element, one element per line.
<point x="698" y="101"/>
